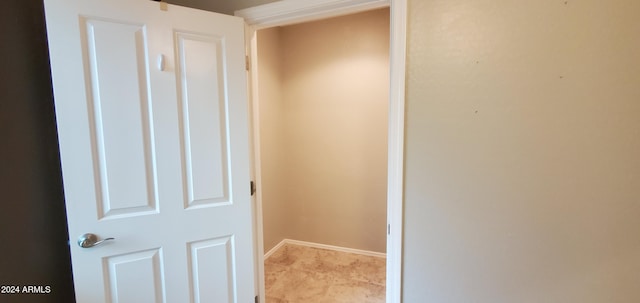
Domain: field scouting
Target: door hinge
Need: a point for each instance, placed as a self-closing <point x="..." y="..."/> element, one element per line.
<point x="257" y="300"/>
<point x="253" y="188"/>
<point x="247" y="62"/>
<point x="388" y="229"/>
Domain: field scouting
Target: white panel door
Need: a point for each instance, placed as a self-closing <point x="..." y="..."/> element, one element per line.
<point x="152" y="117"/>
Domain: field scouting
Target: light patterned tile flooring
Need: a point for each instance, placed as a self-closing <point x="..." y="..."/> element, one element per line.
<point x="301" y="274"/>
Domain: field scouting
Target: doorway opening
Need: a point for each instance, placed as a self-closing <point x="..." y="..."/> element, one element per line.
<point x="321" y="156"/>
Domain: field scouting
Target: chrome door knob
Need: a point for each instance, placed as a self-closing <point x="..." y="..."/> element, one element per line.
<point x="90" y="240"/>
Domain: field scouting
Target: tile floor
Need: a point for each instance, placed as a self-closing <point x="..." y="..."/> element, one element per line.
<point x="301" y="274"/>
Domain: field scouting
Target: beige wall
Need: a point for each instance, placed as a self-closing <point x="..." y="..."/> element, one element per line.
<point x="335" y="76"/>
<point x="275" y="211"/>
<point x="523" y="151"/>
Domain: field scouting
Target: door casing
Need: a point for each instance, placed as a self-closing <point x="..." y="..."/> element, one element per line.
<point x="287" y="12"/>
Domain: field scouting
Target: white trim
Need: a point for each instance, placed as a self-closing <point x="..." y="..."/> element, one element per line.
<point x="324" y="246"/>
<point x="275" y="248"/>
<point x="287" y="12"/>
<point x="252" y="45"/>
<point x="395" y="170"/>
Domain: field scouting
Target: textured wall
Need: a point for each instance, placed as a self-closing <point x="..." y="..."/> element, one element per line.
<point x="335" y="90"/>
<point x="522" y="151"/>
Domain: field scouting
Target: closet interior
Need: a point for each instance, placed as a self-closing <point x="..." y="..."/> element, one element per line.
<point x="323" y="91"/>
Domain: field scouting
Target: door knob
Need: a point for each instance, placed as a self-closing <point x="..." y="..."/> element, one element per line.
<point x="90" y="240"/>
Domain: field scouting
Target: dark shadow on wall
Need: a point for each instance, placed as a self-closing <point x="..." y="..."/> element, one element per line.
<point x="33" y="232"/>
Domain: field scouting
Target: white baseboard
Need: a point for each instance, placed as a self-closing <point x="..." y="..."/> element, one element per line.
<point x="274" y="249"/>
<point x="324" y="246"/>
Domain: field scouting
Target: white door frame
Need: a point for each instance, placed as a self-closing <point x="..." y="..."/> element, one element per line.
<point x="288" y="12"/>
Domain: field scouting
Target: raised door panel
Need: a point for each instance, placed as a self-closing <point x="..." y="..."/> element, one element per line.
<point x="119" y="105"/>
<point x="201" y="74"/>
<point x="212" y="261"/>
<point x="135" y="277"/>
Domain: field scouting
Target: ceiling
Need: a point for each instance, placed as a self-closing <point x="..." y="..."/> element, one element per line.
<point x="220" y="6"/>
